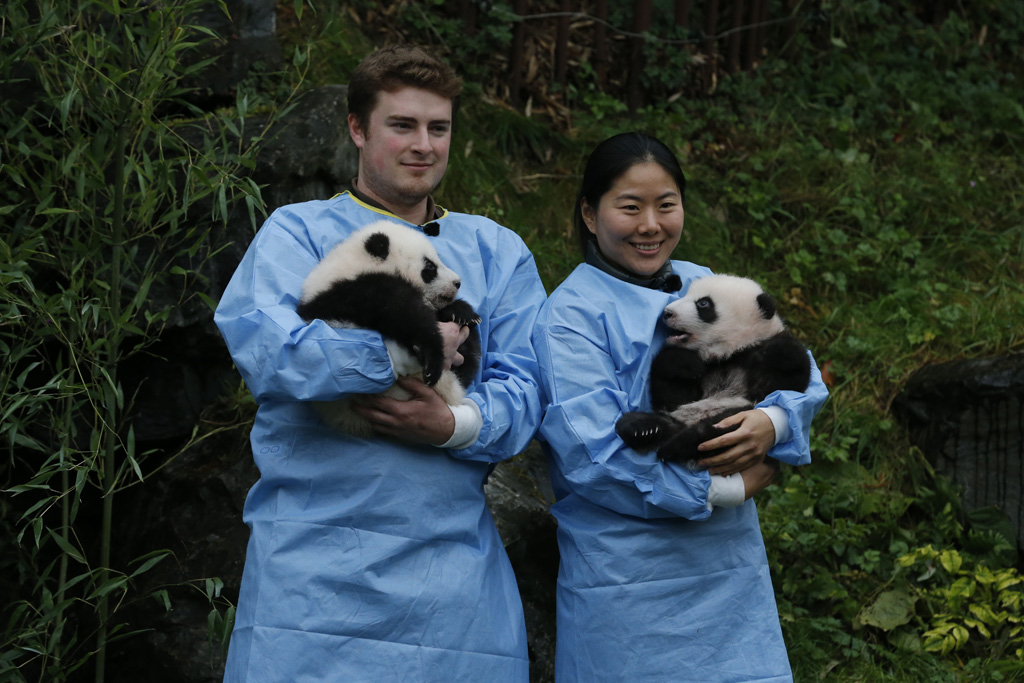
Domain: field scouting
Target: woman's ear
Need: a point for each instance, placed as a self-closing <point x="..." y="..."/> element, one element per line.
<point x="589" y="216"/>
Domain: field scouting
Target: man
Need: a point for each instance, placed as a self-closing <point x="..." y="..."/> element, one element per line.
<point x="378" y="560"/>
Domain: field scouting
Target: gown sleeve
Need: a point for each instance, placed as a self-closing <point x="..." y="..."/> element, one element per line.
<point x="279" y="356"/>
<point x="507" y="394"/>
<point x="800" y="407"/>
<point x="580" y="379"/>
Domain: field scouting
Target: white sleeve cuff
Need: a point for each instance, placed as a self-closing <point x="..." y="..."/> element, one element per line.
<point x="468" y="423"/>
<point x="780" y="421"/>
<point x="726" y="492"/>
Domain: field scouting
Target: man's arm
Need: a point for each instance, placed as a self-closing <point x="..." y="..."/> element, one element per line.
<point x="280" y="356"/>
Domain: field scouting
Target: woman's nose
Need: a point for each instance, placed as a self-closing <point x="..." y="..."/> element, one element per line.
<point x="648" y="221"/>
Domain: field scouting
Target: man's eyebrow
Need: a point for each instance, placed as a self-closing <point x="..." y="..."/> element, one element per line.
<point x="398" y="118"/>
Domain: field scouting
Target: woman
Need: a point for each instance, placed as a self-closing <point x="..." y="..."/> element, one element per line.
<point x="658" y="580"/>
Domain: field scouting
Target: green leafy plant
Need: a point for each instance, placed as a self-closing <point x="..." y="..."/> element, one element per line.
<point x="971" y="606"/>
<point x="109" y="171"/>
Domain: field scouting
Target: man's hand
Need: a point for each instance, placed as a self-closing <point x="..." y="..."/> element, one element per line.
<point x="424" y="418"/>
<point x="453" y="336"/>
<point x="747" y="445"/>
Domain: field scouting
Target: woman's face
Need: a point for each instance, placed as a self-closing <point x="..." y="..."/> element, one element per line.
<point x="639" y="219"/>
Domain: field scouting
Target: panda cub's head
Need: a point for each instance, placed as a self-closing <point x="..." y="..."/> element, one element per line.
<point x="386" y="247"/>
<point x="721" y="315"/>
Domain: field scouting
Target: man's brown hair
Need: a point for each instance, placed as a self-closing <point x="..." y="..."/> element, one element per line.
<point x="390" y="68"/>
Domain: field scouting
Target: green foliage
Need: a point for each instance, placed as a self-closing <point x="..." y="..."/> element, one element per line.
<point x="112" y="180"/>
<point x="970" y="606"/>
<point x="873" y="181"/>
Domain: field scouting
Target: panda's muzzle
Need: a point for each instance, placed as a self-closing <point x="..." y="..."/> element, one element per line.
<point x="679" y="339"/>
<point x="445" y="297"/>
<point x="681" y="336"/>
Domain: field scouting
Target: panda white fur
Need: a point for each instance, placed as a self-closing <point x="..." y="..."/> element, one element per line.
<point x="727" y="350"/>
<point x="389" y="278"/>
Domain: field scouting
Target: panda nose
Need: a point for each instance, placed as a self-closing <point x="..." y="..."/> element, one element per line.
<point x="457" y="283"/>
<point x="667" y="316"/>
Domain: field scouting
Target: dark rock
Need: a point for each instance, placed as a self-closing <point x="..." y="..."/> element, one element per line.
<point x="308" y="155"/>
<point x="519" y="495"/>
<point x="173" y="381"/>
<point x="192" y="507"/>
<point x="248" y="34"/>
<point x="305" y="155"/>
<point x="968" y="419"/>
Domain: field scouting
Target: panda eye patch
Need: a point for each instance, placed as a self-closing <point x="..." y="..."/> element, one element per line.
<point x="429" y="272"/>
<point x="706" y="309"/>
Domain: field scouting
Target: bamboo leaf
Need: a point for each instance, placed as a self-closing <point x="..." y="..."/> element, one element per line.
<point x="68" y="549"/>
<point x="154" y="558"/>
<point x="118" y="583"/>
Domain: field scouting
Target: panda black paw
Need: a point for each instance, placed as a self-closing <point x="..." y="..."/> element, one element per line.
<point x="677" y="364"/>
<point x="643" y="431"/>
<point x="432" y="364"/>
<point x="459" y="312"/>
<point x="682" y="449"/>
<point x="683" y="446"/>
<point x="431" y="375"/>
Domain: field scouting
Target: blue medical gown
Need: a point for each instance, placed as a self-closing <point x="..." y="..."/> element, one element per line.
<point x="374" y="560"/>
<point x="652" y="586"/>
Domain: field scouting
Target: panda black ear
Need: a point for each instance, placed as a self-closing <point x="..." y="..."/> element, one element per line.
<point x="767" y="305"/>
<point x="378" y="245"/>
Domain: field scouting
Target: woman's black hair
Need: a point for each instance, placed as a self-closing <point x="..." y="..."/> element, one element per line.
<point x="609" y="161"/>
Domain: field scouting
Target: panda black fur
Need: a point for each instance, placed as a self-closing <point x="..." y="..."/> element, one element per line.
<point x="727" y="350"/>
<point x="389" y="278"/>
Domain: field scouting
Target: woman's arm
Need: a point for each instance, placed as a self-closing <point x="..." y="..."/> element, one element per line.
<point x="756" y="435"/>
<point x="579" y="378"/>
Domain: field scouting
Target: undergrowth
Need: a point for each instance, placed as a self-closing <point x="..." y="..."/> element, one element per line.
<point x="874" y="182"/>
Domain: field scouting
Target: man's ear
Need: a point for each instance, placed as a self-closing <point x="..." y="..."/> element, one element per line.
<point x="355" y="131"/>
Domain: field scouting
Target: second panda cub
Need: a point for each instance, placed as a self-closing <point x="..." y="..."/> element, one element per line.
<point x="388" y="278"/>
<point x="727" y="350"/>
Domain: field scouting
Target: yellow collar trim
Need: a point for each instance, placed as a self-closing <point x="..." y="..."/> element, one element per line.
<point x="385" y="212"/>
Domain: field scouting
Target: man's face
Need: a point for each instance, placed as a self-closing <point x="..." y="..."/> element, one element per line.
<point x="403" y="148"/>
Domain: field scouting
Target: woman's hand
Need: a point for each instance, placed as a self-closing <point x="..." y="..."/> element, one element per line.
<point x="745" y="447"/>
<point x="758" y="477"/>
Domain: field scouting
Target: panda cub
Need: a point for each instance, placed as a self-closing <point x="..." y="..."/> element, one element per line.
<point x="727" y="350"/>
<point x="389" y="278"/>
